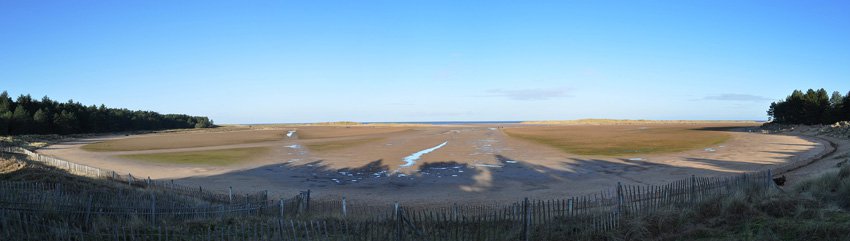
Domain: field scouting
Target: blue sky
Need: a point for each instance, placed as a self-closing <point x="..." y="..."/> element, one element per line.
<point x="306" y="61"/>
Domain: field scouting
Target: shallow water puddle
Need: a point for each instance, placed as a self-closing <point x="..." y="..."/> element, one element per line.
<point x="379" y="174"/>
<point x="410" y="160"/>
<point x="488" y="165"/>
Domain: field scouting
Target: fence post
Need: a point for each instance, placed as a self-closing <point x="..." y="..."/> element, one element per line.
<point x="526" y="222"/>
<point x="344" y="210"/>
<point x="693" y="188"/>
<point x="88" y="210"/>
<point x="230" y="194"/>
<point x="129" y="179"/>
<point x="619" y="197"/>
<point x="281" y="207"/>
<point x="397" y="223"/>
<point x="299" y="202"/>
<point x="308" y="200"/>
<point x="153" y="208"/>
<point x="769" y="179"/>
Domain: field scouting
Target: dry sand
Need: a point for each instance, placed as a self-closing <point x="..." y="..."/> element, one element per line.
<point x="479" y="163"/>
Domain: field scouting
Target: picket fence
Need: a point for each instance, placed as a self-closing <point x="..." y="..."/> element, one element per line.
<point x="147" y="183"/>
<point x="43" y="211"/>
<point x="575" y="217"/>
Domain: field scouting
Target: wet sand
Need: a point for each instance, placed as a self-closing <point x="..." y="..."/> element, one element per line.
<point x="478" y="163"/>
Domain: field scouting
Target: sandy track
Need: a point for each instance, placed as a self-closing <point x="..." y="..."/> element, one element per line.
<point x="841" y="156"/>
<point x="479" y="163"/>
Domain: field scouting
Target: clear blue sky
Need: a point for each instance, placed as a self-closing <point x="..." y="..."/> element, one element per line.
<point x="305" y="61"/>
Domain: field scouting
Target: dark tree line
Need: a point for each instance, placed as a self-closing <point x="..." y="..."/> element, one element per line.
<point x="811" y="108"/>
<point x="28" y="116"/>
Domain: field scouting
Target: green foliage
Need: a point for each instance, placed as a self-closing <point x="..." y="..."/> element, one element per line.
<point x="814" y="210"/>
<point x="28" y="116"/>
<point x="832" y="187"/>
<point x="5" y="122"/>
<point x="811" y="108"/>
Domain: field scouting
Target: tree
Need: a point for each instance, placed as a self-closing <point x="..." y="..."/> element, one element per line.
<point x="66" y="122"/>
<point x="819" y="110"/>
<point x="203" y="122"/>
<point x="844" y="110"/>
<point x="5" y="102"/>
<point x="21" y="121"/>
<point x="836" y="99"/>
<point x="836" y="102"/>
<point x="5" y="122"/>
<point x="812" y="107"/>
<point x="27" y="116"/>
<point x="42" y="121"/>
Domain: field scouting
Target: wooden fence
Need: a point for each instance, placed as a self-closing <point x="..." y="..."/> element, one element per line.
<point x="40" y="198"/>
<point x="524" y="220"/>
<point x="147" y="183"/>
<point x="43" y="211"/>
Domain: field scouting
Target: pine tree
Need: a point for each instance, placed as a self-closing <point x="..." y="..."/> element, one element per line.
<point x="42" y="121"/>
<point x="26" y="116"/>
<point x="812" y="107"/>
<point x="5" y="122"/>
<point x="835" y="104"/>
<point x="836" y="99"/>
<point x="844" y="111"/>
<point x="21" y="121"/>
<point x="5" y="102"/>
<point x="821" y="112"/>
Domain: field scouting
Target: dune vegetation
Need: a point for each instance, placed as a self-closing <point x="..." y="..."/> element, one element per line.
<point x="816" y="209"/>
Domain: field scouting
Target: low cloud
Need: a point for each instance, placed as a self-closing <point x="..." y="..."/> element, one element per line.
<point x="736" y="97"/>
<point x="531" y="94"/>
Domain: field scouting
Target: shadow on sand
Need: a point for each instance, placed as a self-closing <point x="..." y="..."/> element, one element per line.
<point x="510" y="177"/>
